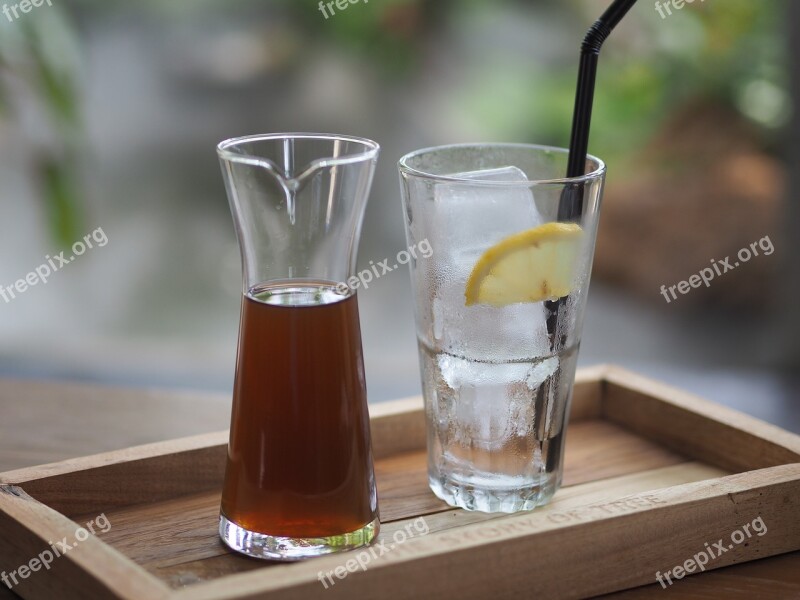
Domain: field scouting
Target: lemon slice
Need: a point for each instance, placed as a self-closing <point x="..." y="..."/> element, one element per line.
<point x="531" y="266"/>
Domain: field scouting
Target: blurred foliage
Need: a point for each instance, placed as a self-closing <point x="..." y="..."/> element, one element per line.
<point x="60" y="194"/>
<point x="387" y="31"/>
<point x="731" y="52"/>
<point x="58" y="89"/>
<point x="38" y="63"/>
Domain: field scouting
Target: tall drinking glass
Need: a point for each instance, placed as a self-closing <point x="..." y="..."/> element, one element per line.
<point x="499" y="308"/>
<point x="299" y="480"/>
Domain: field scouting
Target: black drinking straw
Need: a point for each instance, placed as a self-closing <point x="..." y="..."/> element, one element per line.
<point x="571" y="206"/>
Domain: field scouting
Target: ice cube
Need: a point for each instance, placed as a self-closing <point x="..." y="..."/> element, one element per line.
<point x="468" y="219"/>
<point x="464" y="222"/>
<point x="493" y="402"/>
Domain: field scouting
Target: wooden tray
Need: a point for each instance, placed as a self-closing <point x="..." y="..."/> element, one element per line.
<point x="653" y="477"/>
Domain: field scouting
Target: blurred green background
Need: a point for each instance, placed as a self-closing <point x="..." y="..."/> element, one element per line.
<point x="110" y="111"/>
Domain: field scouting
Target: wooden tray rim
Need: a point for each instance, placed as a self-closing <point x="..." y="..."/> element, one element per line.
<point x="601" y="375"/>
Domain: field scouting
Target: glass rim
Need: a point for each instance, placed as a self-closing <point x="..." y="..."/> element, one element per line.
<point x="370" y="152"/>
<point x="405" y="168"/>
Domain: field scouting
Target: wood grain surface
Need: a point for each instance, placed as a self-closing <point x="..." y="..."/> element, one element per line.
<point x="601" y="455"/>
